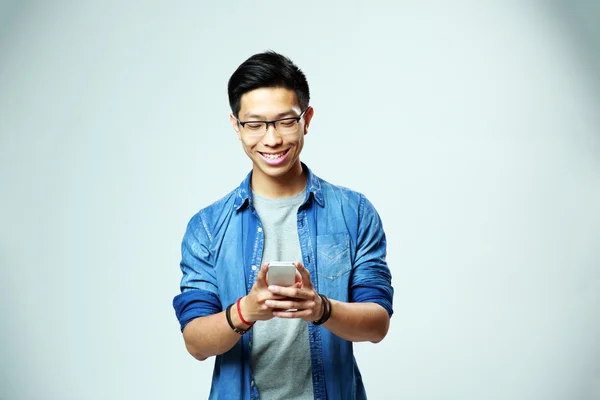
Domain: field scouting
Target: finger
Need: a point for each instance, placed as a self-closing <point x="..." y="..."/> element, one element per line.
<point x="304" y="274"/>
<point x="298" y="277"/>
<point x="292" y="292"/>
<point x="286" y="304"/>
<point x="292" y="314"/>
<point x="261" y="278"/>
<point x="267" y="295"/>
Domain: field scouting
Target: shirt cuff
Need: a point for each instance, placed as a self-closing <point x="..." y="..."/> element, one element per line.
<point x="381" y="296"/>
<point x="195" y="303"/>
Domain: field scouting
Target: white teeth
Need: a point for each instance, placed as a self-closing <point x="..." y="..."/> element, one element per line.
<point x="273" y="156"/>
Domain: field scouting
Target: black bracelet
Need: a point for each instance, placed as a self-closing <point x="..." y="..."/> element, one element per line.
<point x="326" y="314"/>
<point x="330" y="308"/>
<point x="228" y="315"/>
<point x="326" y="310"/>
<point x="324" y="304"/>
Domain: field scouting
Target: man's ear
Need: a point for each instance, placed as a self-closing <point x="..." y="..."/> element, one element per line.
<point x="310" y="112"/>
<point x="234" y="123"/>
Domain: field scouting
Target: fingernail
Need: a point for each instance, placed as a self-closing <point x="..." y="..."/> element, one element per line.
<point x="272" y="288"/>
<point x="269" y="302"/>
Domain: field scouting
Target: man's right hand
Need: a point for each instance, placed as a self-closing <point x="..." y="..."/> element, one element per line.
<point x="253" y="305"/>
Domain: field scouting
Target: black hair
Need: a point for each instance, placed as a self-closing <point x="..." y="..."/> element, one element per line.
<point x="268" y="69"/>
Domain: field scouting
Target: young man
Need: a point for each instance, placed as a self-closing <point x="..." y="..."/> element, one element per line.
<point x="275" y="342"/>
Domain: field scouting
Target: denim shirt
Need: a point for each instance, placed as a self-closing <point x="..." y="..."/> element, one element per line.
<point x="343" y="247"/>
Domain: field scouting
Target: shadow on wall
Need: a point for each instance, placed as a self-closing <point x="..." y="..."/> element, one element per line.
<point x="580" y="20"/>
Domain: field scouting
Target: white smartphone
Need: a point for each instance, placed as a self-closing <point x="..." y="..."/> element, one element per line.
<point x="281" y="273"/>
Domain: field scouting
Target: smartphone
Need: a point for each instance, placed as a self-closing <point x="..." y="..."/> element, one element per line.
<point x="281" y="273"/>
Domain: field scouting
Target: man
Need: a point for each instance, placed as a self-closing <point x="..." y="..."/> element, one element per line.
<point x="275" y="342"/>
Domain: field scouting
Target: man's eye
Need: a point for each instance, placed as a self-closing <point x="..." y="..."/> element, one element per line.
<point x="254" y="126"/>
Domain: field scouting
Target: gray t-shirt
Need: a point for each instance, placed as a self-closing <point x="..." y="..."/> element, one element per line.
<point x="280" y="355"/>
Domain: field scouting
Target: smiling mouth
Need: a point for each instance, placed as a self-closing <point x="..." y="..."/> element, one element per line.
<point x="274" y="156"/>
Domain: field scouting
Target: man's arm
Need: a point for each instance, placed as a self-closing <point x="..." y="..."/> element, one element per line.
<point x="356" y="322"/>
<point x="205" y="329"/>
<point x="367" y="316"/>
<point x="211" y="335"/>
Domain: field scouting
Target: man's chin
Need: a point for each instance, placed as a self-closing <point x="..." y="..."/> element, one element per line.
<point x="274" y="172"/>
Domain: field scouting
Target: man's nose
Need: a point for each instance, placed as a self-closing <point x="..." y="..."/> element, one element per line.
<point x="271" y="137"/>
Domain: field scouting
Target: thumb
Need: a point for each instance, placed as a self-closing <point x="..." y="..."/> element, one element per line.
<point x="305" y="275"/>
<point x="298" y="284"/>
<point x="261" y="278"/>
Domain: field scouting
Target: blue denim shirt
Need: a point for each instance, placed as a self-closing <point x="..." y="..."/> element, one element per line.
<point x="343" y="247"/>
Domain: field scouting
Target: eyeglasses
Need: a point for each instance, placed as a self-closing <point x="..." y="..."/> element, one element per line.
<point x="284" y="126"/>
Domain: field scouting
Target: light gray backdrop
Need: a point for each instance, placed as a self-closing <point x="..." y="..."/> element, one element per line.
<point x="473" y="126"/>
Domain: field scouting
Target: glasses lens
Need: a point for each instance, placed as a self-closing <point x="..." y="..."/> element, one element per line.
<point x="254" y="128"/>
<point x="287" y="126"/>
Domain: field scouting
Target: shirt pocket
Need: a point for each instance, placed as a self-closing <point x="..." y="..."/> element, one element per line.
<point x="333" y="256"/>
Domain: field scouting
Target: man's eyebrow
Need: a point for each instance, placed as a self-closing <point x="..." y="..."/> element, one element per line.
<point x="290" y="113"/>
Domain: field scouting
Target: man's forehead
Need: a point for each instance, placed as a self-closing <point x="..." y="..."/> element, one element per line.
<point x="269" y="102"/>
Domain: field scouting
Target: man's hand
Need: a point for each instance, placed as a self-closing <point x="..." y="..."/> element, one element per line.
<point x="253" y="305"/>
<point x="302" y="297"/>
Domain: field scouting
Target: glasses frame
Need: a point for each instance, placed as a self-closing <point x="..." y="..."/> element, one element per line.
<point x="274" y="122"/>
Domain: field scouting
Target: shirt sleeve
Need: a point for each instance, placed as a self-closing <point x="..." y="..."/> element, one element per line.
<point x="199" y="291"/>
<point x="371" y="278"/>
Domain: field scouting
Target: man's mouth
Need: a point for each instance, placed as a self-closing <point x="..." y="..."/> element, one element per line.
<point x="274" y="158"/>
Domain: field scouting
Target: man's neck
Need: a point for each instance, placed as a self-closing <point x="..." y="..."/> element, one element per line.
<point x="287" y="185"/>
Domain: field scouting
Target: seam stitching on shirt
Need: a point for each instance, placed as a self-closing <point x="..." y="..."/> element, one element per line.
<point x="204" y="224"/>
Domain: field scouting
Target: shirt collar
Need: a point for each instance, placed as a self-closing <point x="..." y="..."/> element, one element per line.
<point x="243" y="192"/>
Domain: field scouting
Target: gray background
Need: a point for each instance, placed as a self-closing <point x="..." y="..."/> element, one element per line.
<point x="473" y="126"/>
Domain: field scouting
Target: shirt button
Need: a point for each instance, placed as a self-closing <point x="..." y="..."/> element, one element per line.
<point x="259" y="229"/>
<point x="254" y="268"/>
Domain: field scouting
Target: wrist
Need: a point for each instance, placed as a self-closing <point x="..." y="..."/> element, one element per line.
<point x="232" y="321"/>
<point x="326" y="310"/>
<point x="322" y="308"/>
<point x="244" y="316"/>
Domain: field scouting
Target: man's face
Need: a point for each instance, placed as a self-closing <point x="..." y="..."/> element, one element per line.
<point x="273" y="154"/>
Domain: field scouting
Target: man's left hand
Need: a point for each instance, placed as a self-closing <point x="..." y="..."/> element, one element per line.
<point x="301" y="297"/>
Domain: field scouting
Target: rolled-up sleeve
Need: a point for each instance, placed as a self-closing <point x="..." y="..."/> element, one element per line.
<point x="371" y="277"/>
<point x="199" y="291"/>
